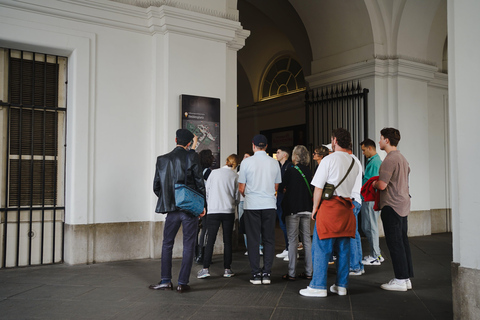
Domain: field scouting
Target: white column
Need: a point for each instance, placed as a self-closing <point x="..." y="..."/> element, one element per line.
<point x="464" y="68"/>
<point x="194" y="54"/>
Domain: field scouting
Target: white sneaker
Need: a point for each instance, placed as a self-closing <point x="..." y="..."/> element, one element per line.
<point x="371" y="261"/>
<point x="228" y="273"/>
<point x="380" y="258"/>
<point x="395" y="285"/>
<point x="341" y="291"/>
<point x="310" y="292"/>
<point x="283" y="254"/>
<point x="203" y="273"/>
<point x="261" y="252"/>
<point x="409" y="284"/>
<point x="246" y="253"/>
<point x="357" y="273"/>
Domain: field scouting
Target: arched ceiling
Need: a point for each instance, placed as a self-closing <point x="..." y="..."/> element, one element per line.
<point x="328" y="34"/>
<point x="275" y="30"/>
<point x="340" y="32"/>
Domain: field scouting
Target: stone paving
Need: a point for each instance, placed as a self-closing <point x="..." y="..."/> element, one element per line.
<point x="118" y="290"/>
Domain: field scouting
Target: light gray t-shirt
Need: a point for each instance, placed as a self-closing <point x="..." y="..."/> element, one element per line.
<point x="260" y="173"/>
<point x="394" y="172"/>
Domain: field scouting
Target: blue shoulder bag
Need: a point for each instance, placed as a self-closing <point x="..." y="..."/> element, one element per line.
<point x="188" y="199"/>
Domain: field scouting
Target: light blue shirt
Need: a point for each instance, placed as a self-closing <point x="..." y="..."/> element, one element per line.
<point x="260" y="173"/>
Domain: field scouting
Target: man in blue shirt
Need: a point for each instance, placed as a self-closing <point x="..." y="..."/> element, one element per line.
<point x="258" y="182"/>
<point x="369" y="216"/>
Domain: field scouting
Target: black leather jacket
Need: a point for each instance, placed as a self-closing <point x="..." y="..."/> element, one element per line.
<point x="170" y="169"/>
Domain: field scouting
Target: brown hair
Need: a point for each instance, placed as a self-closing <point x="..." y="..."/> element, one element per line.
<point x="392" y="134"/>
<point x="232" y="161"/>
<point x="322" y="151"/>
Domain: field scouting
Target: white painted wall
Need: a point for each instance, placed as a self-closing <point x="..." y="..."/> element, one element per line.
<point x="127" y="69"/>
<point x="438" y="145"/>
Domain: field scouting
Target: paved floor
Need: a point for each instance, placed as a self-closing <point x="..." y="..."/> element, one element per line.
<point x="118" y="290"/>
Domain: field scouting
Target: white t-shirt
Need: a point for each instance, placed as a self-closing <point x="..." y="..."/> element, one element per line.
<point x="332" y="169"/>
<point x="358" y="183"/>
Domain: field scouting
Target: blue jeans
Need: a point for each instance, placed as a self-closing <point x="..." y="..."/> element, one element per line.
<point x="356" y="244"/>
<point x="321" y="252"/>
<point x="189" y="225"/>
<point x="370" y="226"/>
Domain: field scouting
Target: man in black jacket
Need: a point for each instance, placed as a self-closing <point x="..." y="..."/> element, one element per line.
<point x="170" y="169"/>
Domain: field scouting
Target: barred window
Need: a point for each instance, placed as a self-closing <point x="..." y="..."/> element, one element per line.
<point x="33" y="107"/>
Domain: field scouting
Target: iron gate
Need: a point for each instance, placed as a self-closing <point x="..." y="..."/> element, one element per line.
<point x="33" y="111"/>
<point x="338" y="106"/>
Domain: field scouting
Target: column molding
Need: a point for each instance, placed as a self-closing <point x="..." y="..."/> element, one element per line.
<point x="381" y="68"/>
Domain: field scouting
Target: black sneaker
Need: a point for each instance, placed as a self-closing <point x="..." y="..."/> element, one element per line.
<point x="256" y="279"/>
<point x="266" y="278"/>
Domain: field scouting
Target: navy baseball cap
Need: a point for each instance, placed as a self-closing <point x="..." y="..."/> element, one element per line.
<point x="260" y="140"/>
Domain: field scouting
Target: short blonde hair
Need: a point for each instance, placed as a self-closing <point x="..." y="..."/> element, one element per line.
<point x="232" y="161"/>
<point x="301" y="155"/>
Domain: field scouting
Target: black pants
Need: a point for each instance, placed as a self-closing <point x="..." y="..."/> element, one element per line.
<point x="260" y="222"/>
<point x="213" y="224"/>
<point x="396" y="229"/>
<point x="189" y="224"/>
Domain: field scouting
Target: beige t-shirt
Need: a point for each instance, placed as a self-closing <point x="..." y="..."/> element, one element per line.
<point x="394" y="172"/>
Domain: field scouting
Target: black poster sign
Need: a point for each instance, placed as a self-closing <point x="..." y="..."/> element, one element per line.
<point x="201" y="115"/>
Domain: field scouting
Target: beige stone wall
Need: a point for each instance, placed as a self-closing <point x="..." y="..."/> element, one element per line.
<point x="425" y="222"/>
<point x="104" y="242"/>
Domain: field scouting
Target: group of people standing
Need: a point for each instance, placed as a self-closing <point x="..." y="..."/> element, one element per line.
<point x="291" y="192"/>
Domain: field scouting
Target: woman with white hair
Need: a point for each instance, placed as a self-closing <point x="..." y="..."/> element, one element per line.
<point x="297" y="207"/>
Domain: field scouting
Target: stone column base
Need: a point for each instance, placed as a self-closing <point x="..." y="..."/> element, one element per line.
<point x="465" y="292"/>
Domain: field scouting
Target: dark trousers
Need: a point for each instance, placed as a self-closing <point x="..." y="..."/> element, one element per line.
<point x="214" y="221"/>
<point x="260" y="222"/>
<point x="189" y="225"/>
<point x="280" y="197"/>
<point x="396" y="229"/>
<point x="202" y="231"/>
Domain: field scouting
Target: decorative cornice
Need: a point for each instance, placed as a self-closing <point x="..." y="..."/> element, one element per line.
<point x="166" y="16"/>
<point x="166" y="19"/>
<point x="404" y="57"/>
<point x="440" y="81"/>
<point x="177" y="4"/>
<point x="381" y="67"/>
<point x="239" y="41"/>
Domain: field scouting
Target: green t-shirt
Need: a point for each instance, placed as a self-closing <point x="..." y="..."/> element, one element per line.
<point x="372" y="168"/>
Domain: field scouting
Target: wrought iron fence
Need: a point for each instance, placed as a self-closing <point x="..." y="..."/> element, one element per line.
<point x="337" y="106"/>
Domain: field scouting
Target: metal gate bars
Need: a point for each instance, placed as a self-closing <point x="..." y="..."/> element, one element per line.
<point x="337" y="106"/>
<point x="33" y="112"/>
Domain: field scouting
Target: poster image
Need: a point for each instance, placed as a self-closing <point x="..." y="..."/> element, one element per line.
<point x="201" y="115"/>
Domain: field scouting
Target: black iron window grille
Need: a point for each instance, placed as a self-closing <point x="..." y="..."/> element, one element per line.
<point x="33" y="111"/>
